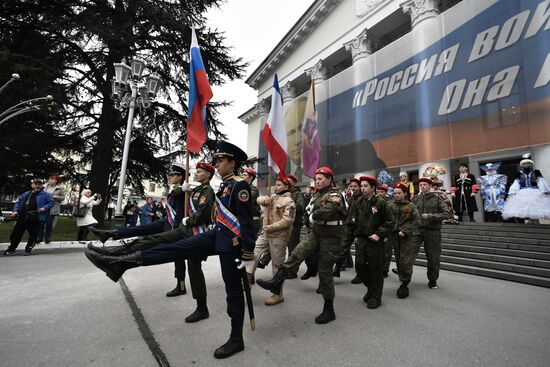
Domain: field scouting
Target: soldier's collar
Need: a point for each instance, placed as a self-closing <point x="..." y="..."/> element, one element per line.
<point x="231" y="176"/>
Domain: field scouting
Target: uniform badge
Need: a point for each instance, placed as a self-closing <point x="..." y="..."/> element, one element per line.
<point x="374" y="210"/>
<point x="202" y="200"/>
<point x="196" y="195"/>
<point x="227" y="191"/>
<point x="235" y="241"/>
<point x="244" y="196"/>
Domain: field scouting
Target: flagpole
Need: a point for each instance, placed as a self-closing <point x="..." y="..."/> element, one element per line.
<point x="187" y="182"/>
<point x="269" y="181"/>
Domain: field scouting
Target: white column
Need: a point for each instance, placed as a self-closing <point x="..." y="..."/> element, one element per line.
<point x="288" y="92"/>
<point x="420" y="10"/>
<point x="541" y="157"/>
<point x="361" y="46"/>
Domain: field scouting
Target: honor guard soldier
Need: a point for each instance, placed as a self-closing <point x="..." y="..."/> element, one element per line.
<point x="174" y="215"/>
<point x="232" y="239"/>
<point x="432" y="211"/>
<point x="372" y="223"/>
<point x="249" y="175"/>
<point x="200" y="210"/>
<point x="349" y="237"/>
<point x="327" y="212"/>
<point x="406" y="222"/>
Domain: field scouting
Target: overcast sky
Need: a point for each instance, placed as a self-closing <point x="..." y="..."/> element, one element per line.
<point x="253" y="29"/>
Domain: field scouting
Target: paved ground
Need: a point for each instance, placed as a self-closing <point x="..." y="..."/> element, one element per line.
<point x="59" y="310"/>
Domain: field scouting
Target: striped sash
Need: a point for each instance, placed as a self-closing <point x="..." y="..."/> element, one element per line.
<point x="225" y="217"/>
<point x="170" y="214"/>
<point x="196" y="229"/>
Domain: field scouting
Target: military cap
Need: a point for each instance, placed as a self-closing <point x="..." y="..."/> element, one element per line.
<point x="251" y="172"/>
<point x="177" y="168"/>
<point x="325" y="171"/>
<point x="371" y="180"/>
<point x="228" y="150"/>
<point x="425" y="179"/>
<point x="285" y="180"/>
<point x="293" y="178"/>
<point x="382" y="187"/>
<point x="356" y="180"/>
<point x="207" y="167"/>
<point x="401" y="186"/>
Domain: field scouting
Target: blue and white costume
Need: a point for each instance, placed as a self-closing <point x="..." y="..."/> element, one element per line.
<point x="492" y="187"/>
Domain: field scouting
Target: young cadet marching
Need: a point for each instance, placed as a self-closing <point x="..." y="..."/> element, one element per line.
<point x="327" y="214"/>
<point x="232" y="240"/>
<point x="201" y="204"/>
<point x="433" y="211"/>
<point x="372" y="223"/>
<point x="349" y="237"/>
<point x="382" y="192"/>
<point x="175" y="213"/>
<point x="278" y="217"/>
<point x="249" y="175"/>
<point x="406" y="222"/>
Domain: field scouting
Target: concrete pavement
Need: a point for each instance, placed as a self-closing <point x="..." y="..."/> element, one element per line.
<point x="59" y="310"/>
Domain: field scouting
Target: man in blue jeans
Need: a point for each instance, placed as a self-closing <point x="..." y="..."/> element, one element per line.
<point x="30" y="210"/>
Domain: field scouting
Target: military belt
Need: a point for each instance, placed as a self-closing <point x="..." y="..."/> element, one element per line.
<point x="256" y="218"/>
<point x="329" y="222"/>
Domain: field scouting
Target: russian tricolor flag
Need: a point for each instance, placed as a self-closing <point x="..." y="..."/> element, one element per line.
<point x="199" y="95"/>
<point x="274" y="134"/>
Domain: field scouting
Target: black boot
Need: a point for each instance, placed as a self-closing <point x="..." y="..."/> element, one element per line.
<point x="104" y="235"/>
<point x="310" y="272"/>
<point x="403" y="290"/>
<point x="336" y="271"/>
<point x="328" y="313"/>
<point x="114" y="266"/>
<point x="264" y="261"/>
<point x="274" y="285"/>
<point x="112" y="250"/>
<point x="235" y="344"/>
<point x="179" y="290"/>
<point x="356" y="280"/>
<point x="200" y="313"/>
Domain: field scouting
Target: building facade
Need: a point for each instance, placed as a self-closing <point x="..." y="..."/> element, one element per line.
<point x="401" y="85"/>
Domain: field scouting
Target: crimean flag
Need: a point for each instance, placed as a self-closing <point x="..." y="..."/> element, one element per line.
<point x="274" y="134"/>
<point x="199" y="95"/>
<point x="311" y="146"/>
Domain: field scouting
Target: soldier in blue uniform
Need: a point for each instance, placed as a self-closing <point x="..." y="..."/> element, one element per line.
<point x="232" y="239"/>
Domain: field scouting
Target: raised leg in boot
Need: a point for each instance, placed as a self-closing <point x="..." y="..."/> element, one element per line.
<point x="274" y="284"/>
<point x="328" y="314"/>
<point x="114" y="266"/>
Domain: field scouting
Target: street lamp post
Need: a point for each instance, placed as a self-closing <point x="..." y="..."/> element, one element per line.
<point x="131" y="90"/>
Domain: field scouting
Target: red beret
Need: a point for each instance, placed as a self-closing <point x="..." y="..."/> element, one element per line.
<point x="250" y="171"/>
<point x="284" y="179"/>
<point x="425" y="179"/>
<point x="292" y="177"/>
<point x="325" y="170"/>
<point x="207" y="167"/>
<point x="356" y="180"/>
<point x="371" y="180"/>
<point x="401" y="186"/>
<point x="382" y="187"/>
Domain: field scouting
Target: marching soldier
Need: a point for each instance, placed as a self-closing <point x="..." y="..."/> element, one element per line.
<point x="327" y="213"/>
<point x="249" y="175"/>
<point x="232" y="240"/>
<point x="432" y="211"/>
<point x="201" y="204"/>
<point x="349" y="237"/>
<point x="407" y="221"/>
<point x="372" y="223"/>
<point x="382" y="192"/>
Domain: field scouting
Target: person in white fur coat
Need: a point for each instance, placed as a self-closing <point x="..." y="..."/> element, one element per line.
<point x="84" y="223"/>
<point x="529" y="195"/>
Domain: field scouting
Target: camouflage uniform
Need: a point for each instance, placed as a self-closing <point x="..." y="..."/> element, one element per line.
<point x="429" y="232"/>
<point x="370" y="216"/>
<point x="350" y="229"/>
<point x="325" y="239"/>
<point x="255" y="209"/>
<point x="300" y="204"/>
<point x="406" y="220"/>
<point x="202" y="197"/>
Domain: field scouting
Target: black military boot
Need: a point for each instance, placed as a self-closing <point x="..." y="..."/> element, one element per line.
<point x="112" y="250"/>
<point x="264" y="261"/>
<point x="179" y="290"/>
<point x="310" y="272"/>
<point x="403" y="290"/>
<point x="373" y="303"/>
<point x="200" y="313"/>
<point x="274" y="285"/>
<point x="356" y="280"/>
<point x="336" y="271"/>
<point x="114" y="266"/>
<point x="328" y="314"/>
<point x="235" y="344"/>
<point x="104" y="235"/>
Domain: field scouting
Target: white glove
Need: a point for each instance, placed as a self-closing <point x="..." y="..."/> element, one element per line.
<point x="185" y="187"/>
<point x="184" y="221"/>
<point x="311" y="218"/>
<point x="241" y="263"/>
<point x="309" y="208"/>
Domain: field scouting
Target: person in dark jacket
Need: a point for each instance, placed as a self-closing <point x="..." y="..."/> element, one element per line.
<point x="30" y="210"/>
<point x="463" y="193"/>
